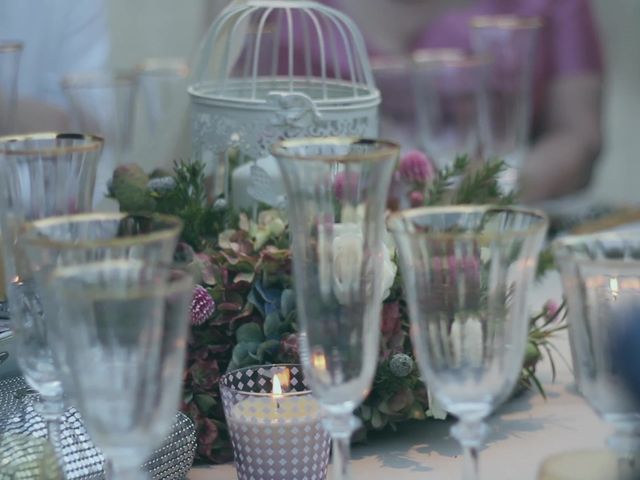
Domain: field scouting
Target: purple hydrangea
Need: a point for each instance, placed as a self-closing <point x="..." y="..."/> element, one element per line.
<point x="202" y="306"/>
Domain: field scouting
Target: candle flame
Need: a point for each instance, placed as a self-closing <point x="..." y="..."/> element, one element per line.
<point x="615" y="288"/>
<point x="280" y="382"/>
<point x="319" y="361"/>
<point x="277" y="388"/>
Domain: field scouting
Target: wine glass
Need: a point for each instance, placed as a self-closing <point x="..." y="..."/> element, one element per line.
<point x="466" y="273"/>
<point x="450" y="89"/>
<point x="336" y="193"/>
<point x="90" y="237"/>
<point x="126" y="325"/>
<point x="40" y="175"/>
<point x="601" y="279"/>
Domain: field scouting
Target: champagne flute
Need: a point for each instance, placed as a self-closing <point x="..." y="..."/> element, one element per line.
<point x="336" y="193"/>
<point x="450" y="89"/>
<point x="466" y="272"/>
<point x="40" y="175"/>
<point x="511" y="44"/>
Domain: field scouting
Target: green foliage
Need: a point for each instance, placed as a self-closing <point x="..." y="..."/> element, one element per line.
<point x="466" y="182"/>
<point x="444" y="181"/>
<point x="187" y="199"/>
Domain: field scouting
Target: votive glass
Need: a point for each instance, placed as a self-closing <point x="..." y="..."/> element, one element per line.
<point x="275" y="424"/>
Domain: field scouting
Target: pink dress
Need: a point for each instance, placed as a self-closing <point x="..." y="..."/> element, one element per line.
<point x="568" y="42"/>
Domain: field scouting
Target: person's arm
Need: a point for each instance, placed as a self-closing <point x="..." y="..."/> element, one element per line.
<point x="562" y="160"/>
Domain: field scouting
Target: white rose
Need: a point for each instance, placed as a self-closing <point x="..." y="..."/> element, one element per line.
<point x="347" y="260"/>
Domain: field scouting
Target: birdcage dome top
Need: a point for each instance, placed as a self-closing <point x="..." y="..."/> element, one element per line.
<point x="257" y="48"/>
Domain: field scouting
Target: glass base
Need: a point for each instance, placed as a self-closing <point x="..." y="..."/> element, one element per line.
<point x="590" y="465"/>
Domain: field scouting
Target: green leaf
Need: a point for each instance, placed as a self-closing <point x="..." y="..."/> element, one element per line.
<point x="287" y="302"/>
<point x="242" y="353"/>
<point x="205" y="402"/>
<point x="249" y="332"/>
<point x="269" y="348"/>
<point x="272" y="325"/>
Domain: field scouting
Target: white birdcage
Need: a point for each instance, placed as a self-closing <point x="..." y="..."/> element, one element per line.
<point x="274" y="69"/>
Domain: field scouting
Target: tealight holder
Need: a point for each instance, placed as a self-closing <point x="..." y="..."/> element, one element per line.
<point x="275" y="424"/>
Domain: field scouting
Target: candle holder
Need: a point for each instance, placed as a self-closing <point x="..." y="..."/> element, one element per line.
<point x="275" y="424"/>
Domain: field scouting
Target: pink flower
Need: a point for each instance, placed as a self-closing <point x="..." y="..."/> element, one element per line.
<point x="346" y="184"/>
<point x="289" y="346"/>
<point x="551" y="308"/>
<point x="391" y="319"/>
<point x="202" y="306"/>
<point x="416" y="199"/>
<point x="416" y="167"/>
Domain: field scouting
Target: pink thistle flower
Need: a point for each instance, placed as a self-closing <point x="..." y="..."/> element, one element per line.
<point x="416" y="167"/>
<point x="202" y="306"/>
<point x="416" y="199"/>
<point x="551" y="308"/>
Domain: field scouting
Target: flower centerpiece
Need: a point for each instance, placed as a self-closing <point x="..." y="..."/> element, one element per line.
<point x="243" y="310"/>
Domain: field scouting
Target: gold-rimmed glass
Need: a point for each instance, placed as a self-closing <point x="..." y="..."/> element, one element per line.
<point x="10" y="53"/>
<point x="466" y="272"/>
<point x="126" y="333"/>
<point x="41" y="175"/>
<point x="510" y="42"/>
<point x="450" y="88"/>
<point x="336" y="195"/>
<point x="104" y="102"/>
<point x="601" y="280"/>
<point x="84" y="238"/>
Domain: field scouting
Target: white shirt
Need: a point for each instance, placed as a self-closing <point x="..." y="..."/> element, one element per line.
<point x="59" y="37"/>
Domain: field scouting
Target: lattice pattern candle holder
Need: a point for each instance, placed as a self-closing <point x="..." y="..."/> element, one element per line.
<point x="275" y="424"/>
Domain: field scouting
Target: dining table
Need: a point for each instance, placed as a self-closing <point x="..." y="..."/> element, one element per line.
<point x="524" y="431"/>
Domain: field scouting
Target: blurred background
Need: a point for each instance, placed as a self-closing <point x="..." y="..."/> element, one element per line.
<point x="144" y="29"/>
<point x="152" y="28"/>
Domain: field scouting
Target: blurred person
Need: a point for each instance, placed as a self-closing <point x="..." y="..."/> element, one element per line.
<point x="567" y="84"/>
<point x="59" y="36"/>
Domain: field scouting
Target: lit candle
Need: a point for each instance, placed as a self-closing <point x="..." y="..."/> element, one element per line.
<point x="278" y="436"/>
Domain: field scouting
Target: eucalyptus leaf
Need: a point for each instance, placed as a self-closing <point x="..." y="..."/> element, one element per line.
<point x="287" y="302"/>
<point x="272" y="325"/>
<point x="269" y="348"/>
<point x="253" y="299"/>
<point x="249" y="332"/>
<point x="242" y="353"/>
<point x="205" y="402"/>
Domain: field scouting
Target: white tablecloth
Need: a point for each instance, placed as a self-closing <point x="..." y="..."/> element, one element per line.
<point x="523" y="433"/>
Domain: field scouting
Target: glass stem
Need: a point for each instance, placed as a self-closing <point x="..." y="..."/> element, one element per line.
<point x="340" y="427"/>
<point x="471" y="435"/>
<point x="51" y="410"/>
<point x="625" y="444"/>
